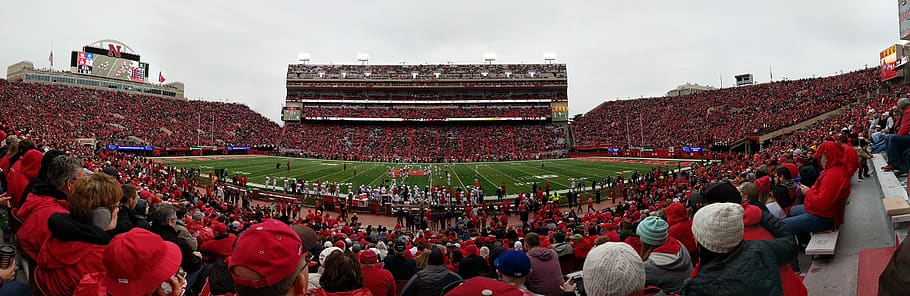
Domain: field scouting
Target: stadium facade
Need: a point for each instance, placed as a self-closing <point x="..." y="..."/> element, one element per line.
<point x="456" y="100"/>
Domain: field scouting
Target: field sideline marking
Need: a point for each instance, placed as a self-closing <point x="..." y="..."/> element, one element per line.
<point x="455" y="172"/>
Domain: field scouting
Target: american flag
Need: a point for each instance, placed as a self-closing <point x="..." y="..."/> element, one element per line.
<point x="51" y="58"/>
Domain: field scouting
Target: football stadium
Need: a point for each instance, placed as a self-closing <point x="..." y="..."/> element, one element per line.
<point x="256" y="163"/>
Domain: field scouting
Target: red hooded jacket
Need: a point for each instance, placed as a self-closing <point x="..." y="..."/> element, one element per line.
<point x="219" y="248"/>
<point x="790" y="282"/>
<point x="680" y="225"/>
<point x="829" y="190"/>
<point x="23" y="172"/>
<point x="62" y="264"/>
<point x="851" y="159"/>
<point x="34" y="214"/>
<point x="378" y="280"/>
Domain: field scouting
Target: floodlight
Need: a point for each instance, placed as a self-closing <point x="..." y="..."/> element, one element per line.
<point x="489" y="57"/>
<point x="549" y="57"/>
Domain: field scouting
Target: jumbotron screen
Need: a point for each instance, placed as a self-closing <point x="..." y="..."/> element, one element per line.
<point x="290" y="114"/>
<point x="110" y="67"/>
<point x="888" y="62"/>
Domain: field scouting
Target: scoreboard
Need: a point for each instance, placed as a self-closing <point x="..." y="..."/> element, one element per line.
<point x="109" y="62"/>
<point x="560" y="111"/>
<point x="290" y="114"/>
<point x="888" y="61"/>
<point x="110" y="67"/>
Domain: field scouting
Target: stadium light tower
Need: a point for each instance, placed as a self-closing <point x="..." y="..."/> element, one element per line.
<point x="549" y="57"/>
<point x="304" y="58"/>
<point x="489" y="57"/>
<point x="363" y="58"/>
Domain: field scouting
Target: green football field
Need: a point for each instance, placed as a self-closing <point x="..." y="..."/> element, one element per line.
<point x="518" y="175"/>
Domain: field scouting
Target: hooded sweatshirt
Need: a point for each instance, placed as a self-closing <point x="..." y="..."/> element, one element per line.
<point x="546" y="275"/>
<point x="73" y="250"/>
<point x="22" y="172"/>
<point x="680" y="225"/>
<point x="668" y="266"/>
<point x="829" y="190"/>
<point x="430" y="281"/>
<point x="38" y="207"/>
<point x="753" y="230"/>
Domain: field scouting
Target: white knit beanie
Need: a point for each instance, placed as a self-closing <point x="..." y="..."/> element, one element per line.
<point x="719" y="227"/>
<point x="613" y="269"/>
<point x="325" y="254"/>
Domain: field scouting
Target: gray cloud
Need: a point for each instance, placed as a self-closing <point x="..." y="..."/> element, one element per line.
<point x="239" y="51"/>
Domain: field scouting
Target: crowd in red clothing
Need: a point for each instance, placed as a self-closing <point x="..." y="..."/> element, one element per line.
<point x="423" y="113"/>
<point x="387" y="142"/>
<point x="725" y="115"/>
<point x="74" y="254"/>
<point x="64" y="113"/>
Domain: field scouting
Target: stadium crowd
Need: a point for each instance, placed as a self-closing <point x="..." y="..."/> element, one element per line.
<point x="427" y="142"/>
<point x="423" y="96"/>
<point x="93" y="222"/>
<point x="725" y="115"/>
<point x="435" y="112"/>
<point x="64" y="113"/>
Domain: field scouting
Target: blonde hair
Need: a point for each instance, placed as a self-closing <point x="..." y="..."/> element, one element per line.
<point x="423" y="259"/>
<point x="91" y="192"/>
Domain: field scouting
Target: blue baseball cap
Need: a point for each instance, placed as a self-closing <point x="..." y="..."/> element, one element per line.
<point x="513" y="263"/>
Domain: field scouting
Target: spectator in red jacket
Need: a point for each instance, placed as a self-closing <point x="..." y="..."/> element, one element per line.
<point x="851" y="157"/>
<point x="48" y="196"/>
<point x="221" y="245"/>
<point x="137" y="262"/>
<point x="824" y="198"/>
<point x="379" y="281"/>
<point x="78" y="239"/>
<point x="681" y="227"/>
<point x="22" y="172"/>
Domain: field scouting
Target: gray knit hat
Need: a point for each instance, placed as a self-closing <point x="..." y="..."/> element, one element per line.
<point x="719" y="227"/>
<point x="613" y="269"/>
<point x="653" y="231"/>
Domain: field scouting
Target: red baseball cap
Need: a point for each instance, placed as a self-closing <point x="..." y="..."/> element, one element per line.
<point x="271" y="248"/>
<point x="138" y="261"/>
<point x="477" y="285"/>
<point x="219" y="228"/>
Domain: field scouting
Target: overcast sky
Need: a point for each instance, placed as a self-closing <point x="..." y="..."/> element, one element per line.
<point x="239" y="51"/>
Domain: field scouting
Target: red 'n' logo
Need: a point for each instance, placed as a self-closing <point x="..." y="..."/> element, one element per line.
<point x="113" y="51"/>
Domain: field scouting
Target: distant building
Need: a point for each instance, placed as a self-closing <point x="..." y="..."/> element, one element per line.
<point x="688" y="89"/>
<point x="25" y="72"/>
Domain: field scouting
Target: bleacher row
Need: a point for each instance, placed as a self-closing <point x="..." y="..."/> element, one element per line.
<point x="725" y="115"/>
<point x="437" y="112"/>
